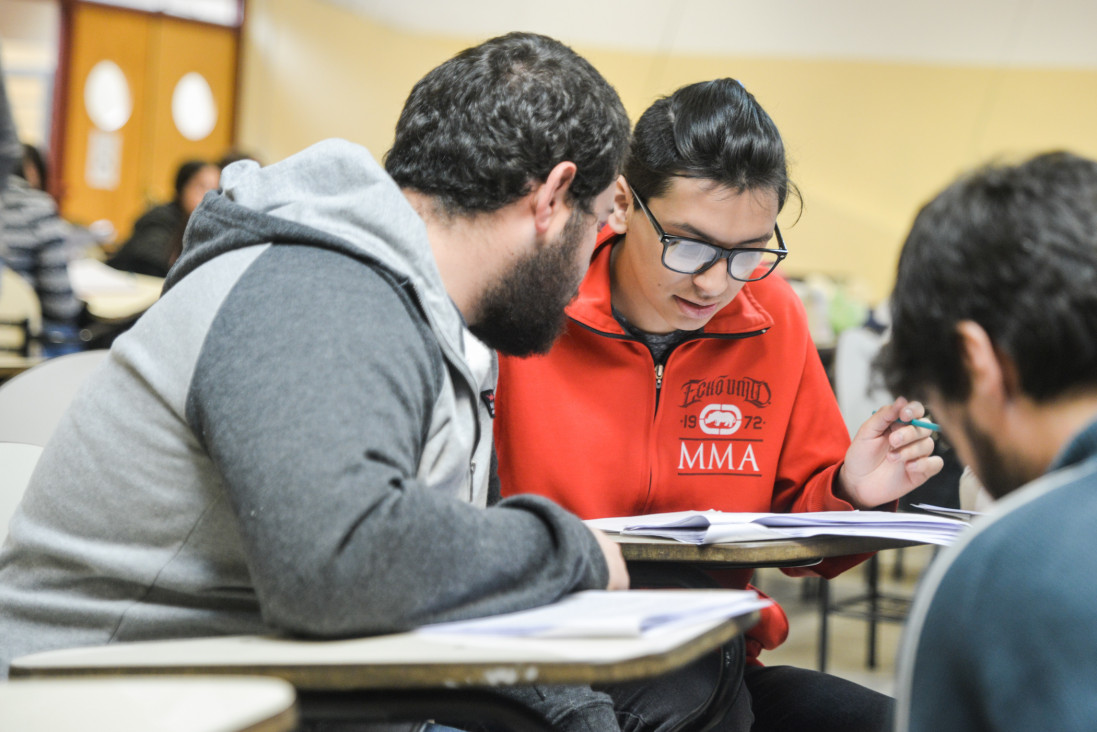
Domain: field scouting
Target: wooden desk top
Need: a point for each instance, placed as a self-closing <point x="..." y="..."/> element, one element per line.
<point x="115" y="306"/>
<point x="399" y="661"/>
<point x="112" y="295"/>
<point x="163" y="704"/>
<point x="777" y="553"/>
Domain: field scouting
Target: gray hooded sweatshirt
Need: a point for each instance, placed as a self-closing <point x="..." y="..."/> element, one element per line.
<point x="295" y="439"/>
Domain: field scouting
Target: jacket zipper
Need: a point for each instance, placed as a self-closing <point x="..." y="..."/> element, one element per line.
<point x="454" y="357"/>
<point x="699" y="336"/>
<point x="654" y="417"/>
<point x="660" y="367"/>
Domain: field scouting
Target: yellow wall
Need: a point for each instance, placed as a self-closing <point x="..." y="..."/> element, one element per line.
<point x="311" y="70"/>
<point x="868" y="142"/>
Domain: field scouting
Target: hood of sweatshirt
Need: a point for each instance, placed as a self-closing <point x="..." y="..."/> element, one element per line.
<point x="332" y="195"/>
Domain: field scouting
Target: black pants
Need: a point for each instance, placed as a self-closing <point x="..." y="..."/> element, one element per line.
<point x="791" y="698"/>
<point x="717" y="692"/>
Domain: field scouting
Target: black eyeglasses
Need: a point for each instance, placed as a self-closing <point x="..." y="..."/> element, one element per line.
<point x="693" y="256"/>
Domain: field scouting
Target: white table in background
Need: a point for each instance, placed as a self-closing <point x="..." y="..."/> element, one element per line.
<point x="112" y="295"/>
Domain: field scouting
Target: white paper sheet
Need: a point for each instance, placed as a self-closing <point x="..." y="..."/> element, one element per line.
<point x="603" y="614"/>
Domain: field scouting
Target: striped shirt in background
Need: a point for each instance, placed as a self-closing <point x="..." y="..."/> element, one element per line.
<point x="35" y="242"/>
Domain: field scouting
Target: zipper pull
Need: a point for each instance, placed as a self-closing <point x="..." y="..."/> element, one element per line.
<point x="658" y="376"/>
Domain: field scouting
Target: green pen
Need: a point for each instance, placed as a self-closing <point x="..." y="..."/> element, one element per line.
<point x="923" y="423"/>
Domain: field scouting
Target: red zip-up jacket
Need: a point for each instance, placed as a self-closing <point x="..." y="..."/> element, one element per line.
<point x="740" y="418"/>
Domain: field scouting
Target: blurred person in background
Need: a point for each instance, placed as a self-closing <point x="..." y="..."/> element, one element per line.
<point x="157" y="237"/>
<point x="234" y="155"/>
<point x="33" y="168"/>
<point x="34" y="241"/>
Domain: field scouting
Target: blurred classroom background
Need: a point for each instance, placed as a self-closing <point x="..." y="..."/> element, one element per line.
<point x="880" y="103"/>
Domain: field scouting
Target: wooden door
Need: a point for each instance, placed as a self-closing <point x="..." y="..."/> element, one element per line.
<point x="115" y="174"/>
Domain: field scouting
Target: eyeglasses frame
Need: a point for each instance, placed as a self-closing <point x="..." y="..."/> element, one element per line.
<point x="668" y="239"/>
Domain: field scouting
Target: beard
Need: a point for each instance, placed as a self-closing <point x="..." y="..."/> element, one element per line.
<point x="999" y="472"/>
<point x="522" y="313"/>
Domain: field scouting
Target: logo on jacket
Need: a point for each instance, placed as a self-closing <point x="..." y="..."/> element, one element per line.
<point x="720" y="419"/>
<point x="488" y="397"/>
<point x="751" y="391"/>
<point x="718" y="457"/>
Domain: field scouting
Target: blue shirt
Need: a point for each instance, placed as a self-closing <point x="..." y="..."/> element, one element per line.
<point x="1003" y="635"/>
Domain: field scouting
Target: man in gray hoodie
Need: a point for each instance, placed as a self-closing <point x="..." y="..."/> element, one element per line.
<point x="297" y="437"/>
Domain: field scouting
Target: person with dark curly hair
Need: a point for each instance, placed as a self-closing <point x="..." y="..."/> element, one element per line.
<point x="262" y="451"/>
<point x="994" y="323"/>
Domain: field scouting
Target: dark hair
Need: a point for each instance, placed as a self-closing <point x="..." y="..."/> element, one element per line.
<point x="185" y="173"/>
<point x="1014" y="249"/>
<point x="33" y="156"/>
<point x="478" y="130"/>
<point x="713" y="130"/>
<point x="234" y="155"/>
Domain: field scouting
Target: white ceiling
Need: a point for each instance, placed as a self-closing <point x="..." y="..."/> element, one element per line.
<point x="1060" y="33"/>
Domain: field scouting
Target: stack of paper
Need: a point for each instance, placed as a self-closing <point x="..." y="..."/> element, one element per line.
<point x="714" y="527"/>
<point x="603" y="614"/>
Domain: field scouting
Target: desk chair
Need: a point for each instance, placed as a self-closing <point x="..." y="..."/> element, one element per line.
<point x="401" y="676"/>
<point x="32" y="402"/>
<point x="151" y="704"/>
<point x="18" y="461"/>
<point x="20" y="313"/>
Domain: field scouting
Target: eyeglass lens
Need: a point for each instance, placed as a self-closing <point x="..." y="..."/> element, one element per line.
<point x="693" y="257"/>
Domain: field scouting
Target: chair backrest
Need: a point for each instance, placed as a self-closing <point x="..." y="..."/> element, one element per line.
<point x="20" y="312"/>
<point x="18" y="463"/>
<point x="32" y="403"/>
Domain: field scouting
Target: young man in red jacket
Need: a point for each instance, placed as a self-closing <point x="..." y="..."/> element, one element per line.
<point x="687" y="379"/>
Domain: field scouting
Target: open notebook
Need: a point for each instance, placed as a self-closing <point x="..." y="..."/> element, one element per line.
<point x="715" y="527"/>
